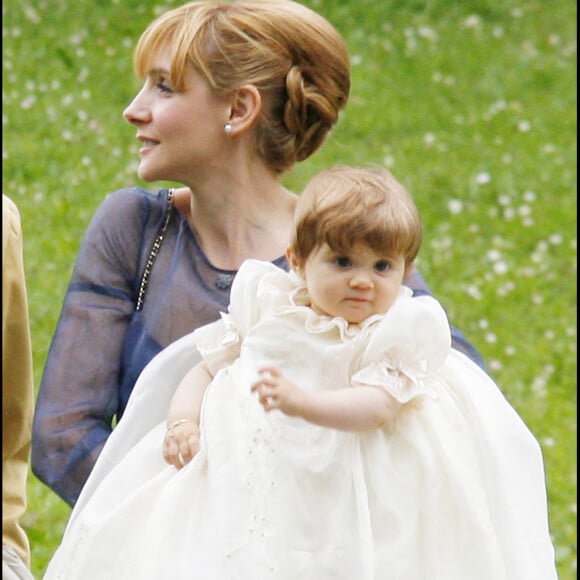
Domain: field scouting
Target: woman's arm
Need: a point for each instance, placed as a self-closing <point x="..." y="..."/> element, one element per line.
<point x="79" y="391"/>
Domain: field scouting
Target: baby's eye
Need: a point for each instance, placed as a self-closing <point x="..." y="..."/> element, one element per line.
<point x="343" y="261"/>
<point x="382" y="266"/>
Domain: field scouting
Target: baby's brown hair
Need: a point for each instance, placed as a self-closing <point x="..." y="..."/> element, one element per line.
<point x="344" y="205"/>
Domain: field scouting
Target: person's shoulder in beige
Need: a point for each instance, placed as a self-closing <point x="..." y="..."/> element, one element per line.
<point x="17" y="396"/>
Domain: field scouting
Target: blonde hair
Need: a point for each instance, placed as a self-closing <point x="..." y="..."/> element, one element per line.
<point x="344" y="205"/>
<point x="291" y="54"/>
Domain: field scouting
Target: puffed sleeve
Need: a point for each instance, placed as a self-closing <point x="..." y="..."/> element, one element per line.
<point x="219" y="342"/>
<point x="411" y="342"/>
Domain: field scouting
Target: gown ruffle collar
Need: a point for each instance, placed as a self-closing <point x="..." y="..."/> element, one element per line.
<point x="285" y="293"/>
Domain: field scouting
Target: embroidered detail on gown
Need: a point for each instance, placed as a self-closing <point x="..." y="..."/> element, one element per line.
<point x="452" y="490"/>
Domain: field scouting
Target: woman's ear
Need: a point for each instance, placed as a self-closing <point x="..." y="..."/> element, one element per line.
<point x="246" y="104"/>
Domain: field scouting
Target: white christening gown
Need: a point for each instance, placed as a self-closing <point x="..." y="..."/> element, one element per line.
<point x="453" y="490"/>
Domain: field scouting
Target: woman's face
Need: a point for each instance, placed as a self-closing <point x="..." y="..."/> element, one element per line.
<point x="181" y="133"/>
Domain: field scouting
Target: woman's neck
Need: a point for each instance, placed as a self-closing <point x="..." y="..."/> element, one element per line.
<point x="235" y="223"/>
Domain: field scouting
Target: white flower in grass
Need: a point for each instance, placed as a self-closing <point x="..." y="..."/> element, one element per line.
<point x="539" y="386"/>
<point x="455" y="206"/>
<point x="474" y="292"/>
<point x="524" y="126"/>
<point x="529" y="196"/>
<point x="389" y="161"/>
<point x="506" y="288"/>
<point x="483" y="323"/>
<point x="472" y="21"/>
<point x="509" y="213"/>
<point x="427" y="32"/>
<point x="491" y="337"/>
<point x="28" y="102"/>
<point x="32" y="15"/>
<point x="495" y="365"/>
<point x="482" y="178"/>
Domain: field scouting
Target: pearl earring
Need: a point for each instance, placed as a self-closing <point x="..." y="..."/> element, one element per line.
<point x="228" y="128"/>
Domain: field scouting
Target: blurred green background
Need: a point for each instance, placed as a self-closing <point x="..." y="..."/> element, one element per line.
<point x="471" y="104"/>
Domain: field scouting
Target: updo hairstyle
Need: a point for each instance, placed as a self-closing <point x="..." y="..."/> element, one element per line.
<point x="291" y="54"/>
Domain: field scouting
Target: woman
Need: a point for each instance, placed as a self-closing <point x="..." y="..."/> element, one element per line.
<point x="234" y="94"/>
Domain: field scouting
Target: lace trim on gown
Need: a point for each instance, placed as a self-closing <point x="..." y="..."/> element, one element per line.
<point x="402" y="380"/>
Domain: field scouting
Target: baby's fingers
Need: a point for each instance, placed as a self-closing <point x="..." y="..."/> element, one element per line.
<point x="171" y="451"/>
<point x="188" y="448"/>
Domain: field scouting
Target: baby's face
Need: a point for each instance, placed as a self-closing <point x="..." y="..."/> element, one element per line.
<point x="355" y="285"/>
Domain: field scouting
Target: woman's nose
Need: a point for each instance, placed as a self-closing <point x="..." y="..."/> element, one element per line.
<point x="137" y="111"/>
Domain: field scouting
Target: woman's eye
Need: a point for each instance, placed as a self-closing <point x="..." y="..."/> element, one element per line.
<point x="163" y="87"/>
<point x="382" y="266"/>
<point x="343" y="262"/>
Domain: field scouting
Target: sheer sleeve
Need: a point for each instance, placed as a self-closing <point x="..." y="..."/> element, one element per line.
<point x="78" y="396"/>
<point x="412" y="341"/>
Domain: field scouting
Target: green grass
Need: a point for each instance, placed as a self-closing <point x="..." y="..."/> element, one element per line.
<point x="471" y="104"/>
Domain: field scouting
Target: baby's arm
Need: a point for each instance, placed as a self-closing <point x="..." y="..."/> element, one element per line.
<point x="181" y="441"/>
<point x="350" y="409"/>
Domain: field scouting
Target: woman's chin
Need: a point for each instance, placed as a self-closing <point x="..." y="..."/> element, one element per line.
<point x="147" y="174"/>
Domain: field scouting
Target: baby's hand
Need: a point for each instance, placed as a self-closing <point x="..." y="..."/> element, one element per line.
<point x="181" y="443"/>
<point x="275" y="391"/>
